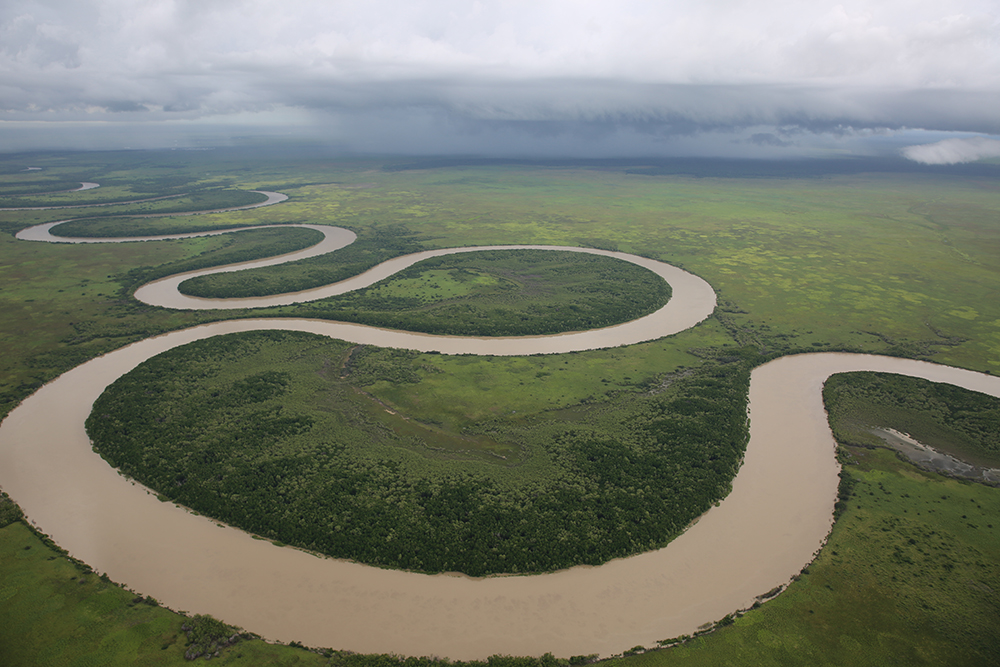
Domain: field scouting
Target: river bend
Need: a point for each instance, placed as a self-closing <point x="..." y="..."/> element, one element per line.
<point x="775" y="519"/>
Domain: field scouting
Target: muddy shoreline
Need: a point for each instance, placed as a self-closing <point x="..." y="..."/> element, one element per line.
<point x="930" y="459"/>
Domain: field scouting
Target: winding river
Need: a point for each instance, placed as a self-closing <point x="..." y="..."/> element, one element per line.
<point x="775" y="519"/>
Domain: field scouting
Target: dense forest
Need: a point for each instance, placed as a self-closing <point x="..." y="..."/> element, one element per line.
<point x="502" y="293"/>
<point x="268" y="431"/>
<point x="949" y="418"/>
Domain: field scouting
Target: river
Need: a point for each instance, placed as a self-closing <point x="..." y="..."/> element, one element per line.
<point x="762" y="534"/>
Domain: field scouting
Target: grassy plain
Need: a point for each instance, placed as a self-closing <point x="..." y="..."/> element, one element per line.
<point x="879" y="262"/>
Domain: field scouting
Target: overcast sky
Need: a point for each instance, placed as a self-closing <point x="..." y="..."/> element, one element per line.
<point x="570" y="78"/>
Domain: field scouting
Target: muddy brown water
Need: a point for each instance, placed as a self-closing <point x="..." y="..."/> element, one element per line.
<point x="763" y="533"/>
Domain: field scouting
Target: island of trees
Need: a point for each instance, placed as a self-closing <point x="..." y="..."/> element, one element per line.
<point x="273" y="432"/>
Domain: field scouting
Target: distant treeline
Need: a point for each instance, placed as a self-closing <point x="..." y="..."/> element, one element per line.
<point x="283" y="452"/>
<point x="717" y="167"/>
<point x="203" y="200"/>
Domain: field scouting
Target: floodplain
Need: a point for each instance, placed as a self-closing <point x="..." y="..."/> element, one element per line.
<point x="883" y="263"/>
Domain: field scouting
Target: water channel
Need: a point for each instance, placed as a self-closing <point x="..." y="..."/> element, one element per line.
<point x="762" y="534"/>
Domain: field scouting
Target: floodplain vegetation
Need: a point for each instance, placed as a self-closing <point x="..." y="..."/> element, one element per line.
<point x="500" y="293"/>
<point x="884" y="262"/>
<point x="272" y="432"/>
<point x="962" y="423"/>
<point x="138" y="203"/>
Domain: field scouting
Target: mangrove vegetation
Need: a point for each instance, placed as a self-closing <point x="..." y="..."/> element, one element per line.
<point x="273" y="432"/>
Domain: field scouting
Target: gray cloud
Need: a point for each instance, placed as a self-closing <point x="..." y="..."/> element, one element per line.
<point x="768" y="139"/>
<point x="490" y="75"/>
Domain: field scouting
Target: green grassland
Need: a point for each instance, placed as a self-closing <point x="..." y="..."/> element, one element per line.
<point x="902" y="264"/>
<point x="858" y="259"/>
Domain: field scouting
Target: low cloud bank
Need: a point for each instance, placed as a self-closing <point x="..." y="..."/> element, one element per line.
<point x="549" y="77"/>
<point x="954" y="151"/>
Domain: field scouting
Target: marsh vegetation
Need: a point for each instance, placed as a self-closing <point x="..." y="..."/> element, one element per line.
<point x="963" y="423"/>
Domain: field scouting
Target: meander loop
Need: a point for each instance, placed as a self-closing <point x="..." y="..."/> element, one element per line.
<point x="762" y="534"/>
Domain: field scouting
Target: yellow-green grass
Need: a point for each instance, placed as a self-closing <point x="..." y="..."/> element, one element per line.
<point x="847" y="254"/>
<point x="440" y="284"/>
<point x="822" y="260"/>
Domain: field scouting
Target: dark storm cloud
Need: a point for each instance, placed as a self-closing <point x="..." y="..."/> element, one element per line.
<point x="710" y="77"/>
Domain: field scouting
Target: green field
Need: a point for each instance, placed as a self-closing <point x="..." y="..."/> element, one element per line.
<point x="903" y="264"/>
